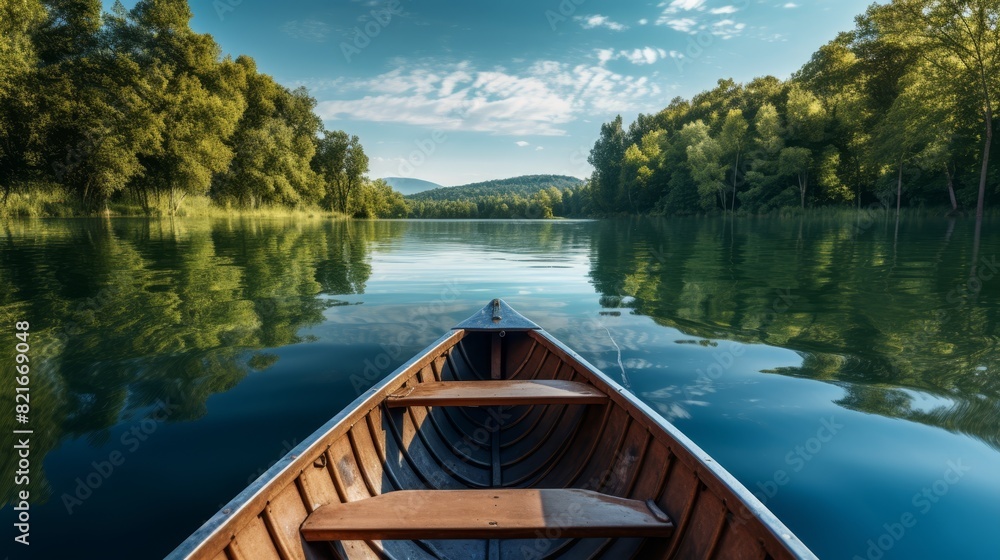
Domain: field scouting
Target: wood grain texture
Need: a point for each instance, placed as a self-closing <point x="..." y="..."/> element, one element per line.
<point x="480" y="514"/>
<point x="551" y="436"/>
<point x="496" y="393"/>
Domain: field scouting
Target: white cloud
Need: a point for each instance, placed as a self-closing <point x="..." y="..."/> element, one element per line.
<point x="597" y="20"/>
<point x="604" y="55"/>
<point x="449" y="83"/>
<point x="311" y="30"/>
<point x="645" y="55"/>
<point x="315" y="85"/>
<point x="539" y="148"/>
<point x="522" y="144"/>
<point x="685" y="25"/>
<point x="791" y="5"/>
<point x="689" y="16"/>
<point x="538" y="100"/>
<point x="727" y="28"/>
<point x="643" y="21"/>
<point x="648" y="55"/>
<point x="686" y="5"/>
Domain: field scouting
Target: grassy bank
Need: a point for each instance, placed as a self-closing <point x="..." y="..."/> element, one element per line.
<point x="55" y="202"/>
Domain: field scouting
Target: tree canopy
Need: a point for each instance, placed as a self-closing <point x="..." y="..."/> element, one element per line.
<point x="134" y="105"/>
<point x="900" y="109"/>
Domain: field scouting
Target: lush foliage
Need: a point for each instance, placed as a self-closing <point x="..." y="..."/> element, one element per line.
<point x="526" y="186"/>
<point x="530" y="196"/>
<point x="135" y="105"/>
<point x="818" y="285"/>
<point x="898" y="111"/>
<point x="164" y="310"/>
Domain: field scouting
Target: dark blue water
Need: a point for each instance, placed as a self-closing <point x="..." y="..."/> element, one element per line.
<point x="845" y="373"/>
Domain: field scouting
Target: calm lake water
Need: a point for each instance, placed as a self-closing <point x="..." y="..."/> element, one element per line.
<point x="846" y="373"/>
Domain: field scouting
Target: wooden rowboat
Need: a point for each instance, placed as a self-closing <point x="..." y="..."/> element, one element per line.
<point x="496" y="442"/>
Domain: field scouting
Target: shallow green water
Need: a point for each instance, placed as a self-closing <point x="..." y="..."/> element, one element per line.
<point x="847" y="373"/>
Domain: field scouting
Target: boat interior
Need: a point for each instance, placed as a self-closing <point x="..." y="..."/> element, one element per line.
<point x="495" y="445"/>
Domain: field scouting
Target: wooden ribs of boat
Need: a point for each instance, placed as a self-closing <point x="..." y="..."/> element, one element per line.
<point x="496" y="442"/>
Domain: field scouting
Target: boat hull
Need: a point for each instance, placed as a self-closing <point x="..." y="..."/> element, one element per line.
<point x="616" y="446"/>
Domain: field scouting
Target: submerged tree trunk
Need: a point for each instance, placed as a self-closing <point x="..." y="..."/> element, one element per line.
<point x="987" y="145"/>
<point x="951" y="187"/>
<point x="899" y="189"/>
<point x="736" y="167"/>
<point x="974" y="279"/>
<point x="803" y="185"/>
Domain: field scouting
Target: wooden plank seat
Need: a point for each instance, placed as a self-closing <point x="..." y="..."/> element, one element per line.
<point x="487" y="514"/>
<point x="496" y="393"/>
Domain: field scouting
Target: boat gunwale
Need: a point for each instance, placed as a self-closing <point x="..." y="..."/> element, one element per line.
<point x="252" y="499"/>
<point x="215" y="535"/>
<point x="695" y="457"/>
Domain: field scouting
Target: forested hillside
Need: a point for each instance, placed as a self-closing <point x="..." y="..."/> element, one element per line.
<point x="529" y="196"/>
<point x="898" y="111"/>
<point x="133" y="106"/>
<point x="407" y="186"/>
<point x="526" y="186"/>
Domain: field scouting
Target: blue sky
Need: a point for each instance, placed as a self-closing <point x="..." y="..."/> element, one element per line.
<point x="462" y="91"/>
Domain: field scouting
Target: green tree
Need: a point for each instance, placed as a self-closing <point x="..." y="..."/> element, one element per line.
<point x="768" y="142"/>
<point x="606" y="157"/>
<point x="376" y="199"/>
<point x="19" y="24"/>
<point x="328" y="163"/>
<point x="341" y="163"/>
<point x="806" y="129"/>
<point x="797" y="161"/>
<point x="962" y="38"/>
<point x="273" y="145"/>
<point x="355" y="169"/>
<point x="705" y="155"/>
<point x="200" y="103"/>
<point x="733" y="140"/>
<point x="903" y="132"/>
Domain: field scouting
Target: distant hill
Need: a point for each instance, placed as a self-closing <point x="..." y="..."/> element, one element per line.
<point x="525" y="186"/>
<point x="408" y="186"/>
